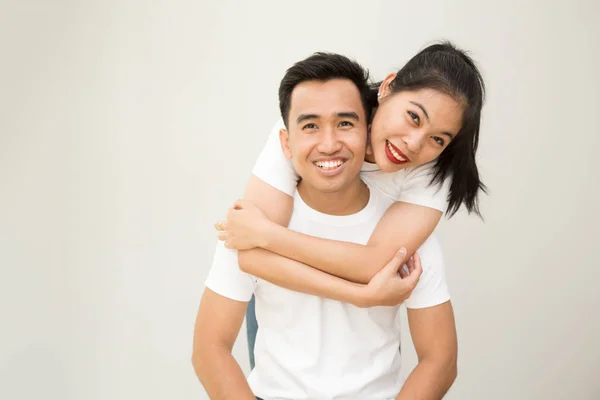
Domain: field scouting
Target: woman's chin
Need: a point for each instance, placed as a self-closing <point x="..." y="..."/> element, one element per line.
<point x="386" y="165"/>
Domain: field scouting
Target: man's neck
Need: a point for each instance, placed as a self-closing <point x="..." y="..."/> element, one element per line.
<point x="346" y="201"/>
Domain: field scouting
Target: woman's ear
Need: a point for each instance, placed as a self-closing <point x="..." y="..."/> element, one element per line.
<point x="384" y="88"/>
<point x="284" y="138"/>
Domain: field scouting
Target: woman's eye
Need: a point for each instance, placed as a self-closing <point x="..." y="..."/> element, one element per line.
<point x="346" y="124"/>
<point x="438" y="140"/>
<point x="414" y="117"/>
<point x="309" y="126"/>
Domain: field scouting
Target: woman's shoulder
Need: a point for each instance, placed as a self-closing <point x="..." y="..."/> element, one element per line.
<point x="411" y="185"/>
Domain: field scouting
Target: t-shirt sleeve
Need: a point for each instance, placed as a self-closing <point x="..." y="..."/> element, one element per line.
<point x="432" y="288"/>
<point x="416" y="189"/>
<point x="273" y="167"/>
<point x="226" y="278"/>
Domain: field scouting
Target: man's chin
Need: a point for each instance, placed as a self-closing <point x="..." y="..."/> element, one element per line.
<point x="325" y="186"/>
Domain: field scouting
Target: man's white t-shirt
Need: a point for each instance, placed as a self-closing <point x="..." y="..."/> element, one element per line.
<point x="409" y="185"/>
<point x="309" y="347"/>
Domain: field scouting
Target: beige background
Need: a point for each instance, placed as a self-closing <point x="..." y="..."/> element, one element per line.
<point x="128" y="127"/>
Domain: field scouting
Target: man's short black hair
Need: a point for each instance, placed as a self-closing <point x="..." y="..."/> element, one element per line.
<point x="323" y="67"/>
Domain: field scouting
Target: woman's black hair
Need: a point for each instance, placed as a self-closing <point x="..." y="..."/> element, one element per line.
<point x="449" y="70"/>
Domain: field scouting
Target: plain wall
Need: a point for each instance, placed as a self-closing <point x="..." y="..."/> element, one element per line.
<point x="127" y="128"/>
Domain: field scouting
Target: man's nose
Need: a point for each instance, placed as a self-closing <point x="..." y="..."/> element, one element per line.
<point x="330" y="142"/>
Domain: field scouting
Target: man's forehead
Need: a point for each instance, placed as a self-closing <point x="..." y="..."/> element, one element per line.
<point x="325" y="99"/>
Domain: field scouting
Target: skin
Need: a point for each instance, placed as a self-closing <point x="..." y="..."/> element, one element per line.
<point x="219" y="318"/>
<point x="217" y="326"/>
<point x="433" y="332"/>
<point x="420" y="124"/>
<point x="328" y="125"/>
<point x="218" y="323"/>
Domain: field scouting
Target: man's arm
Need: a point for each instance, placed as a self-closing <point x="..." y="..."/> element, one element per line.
<point x="434" y="335"/>
<point x="217" y="325"/>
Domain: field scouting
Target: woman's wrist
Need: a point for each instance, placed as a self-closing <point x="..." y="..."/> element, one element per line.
<point x="359" y="295"/>
<point x="268" y="234"/>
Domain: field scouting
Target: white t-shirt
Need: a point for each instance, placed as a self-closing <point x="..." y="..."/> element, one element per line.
<point x="309" y="347"/>
<point x="409" y="185"/>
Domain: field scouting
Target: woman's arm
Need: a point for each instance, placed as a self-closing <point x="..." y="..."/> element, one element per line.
<point x="277" y="207"/>
<point x="275" y="204"/>
<point x="404" y="224"/>
<point x="385" y="289"/>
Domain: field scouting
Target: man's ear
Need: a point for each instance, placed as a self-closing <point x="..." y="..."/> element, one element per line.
<point x="369" y="149"/>
<point x="384" y="88"/>
<point x="284" y="138"/>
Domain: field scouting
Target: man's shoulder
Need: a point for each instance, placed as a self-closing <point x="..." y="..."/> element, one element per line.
<point x="379" y="198"/>
<point x="356" y="228"/>
<point x="225" y="277"/>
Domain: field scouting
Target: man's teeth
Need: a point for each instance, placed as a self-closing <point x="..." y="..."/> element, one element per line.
<point x="395" y="153"/>
<point x="328" y="164"/>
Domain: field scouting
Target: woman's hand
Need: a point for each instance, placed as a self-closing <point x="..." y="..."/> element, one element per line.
<point x="246" y="226"/>
<point x="394" y="283"/>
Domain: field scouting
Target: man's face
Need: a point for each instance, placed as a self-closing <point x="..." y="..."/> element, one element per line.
<point x="327" y="134"/>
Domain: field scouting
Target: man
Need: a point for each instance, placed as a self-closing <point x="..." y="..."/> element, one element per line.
<point x="309" y="347"/>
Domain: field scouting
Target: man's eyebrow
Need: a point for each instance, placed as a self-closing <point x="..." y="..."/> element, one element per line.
<point x="304" y="117"/>
<point x="450" y="135"/>
<point x="349" y="114"/>
<point x="343" y="114"/>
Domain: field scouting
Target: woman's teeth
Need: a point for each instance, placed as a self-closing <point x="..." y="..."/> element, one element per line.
<point x="328" y="164"/>
<point x="395" y="153"/>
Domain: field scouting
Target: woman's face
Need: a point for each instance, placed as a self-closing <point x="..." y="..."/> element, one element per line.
<point x="412" y="128"/>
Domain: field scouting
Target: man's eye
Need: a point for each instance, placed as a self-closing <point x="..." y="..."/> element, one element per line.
<point x="346" y="124"/>
<point x="414" y="117"/>
<point x="309" y="126"/>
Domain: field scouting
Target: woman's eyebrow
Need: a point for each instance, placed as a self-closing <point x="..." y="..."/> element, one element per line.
<point x="450" y="135"/>
<point x="422" y="108"/>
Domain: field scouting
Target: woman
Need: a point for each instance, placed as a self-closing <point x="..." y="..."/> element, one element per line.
<point x="421" y="153"/>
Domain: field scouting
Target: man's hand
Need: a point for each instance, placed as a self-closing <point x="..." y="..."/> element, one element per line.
<point x="393" y="284"/>
<point x="245" y="228"/>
